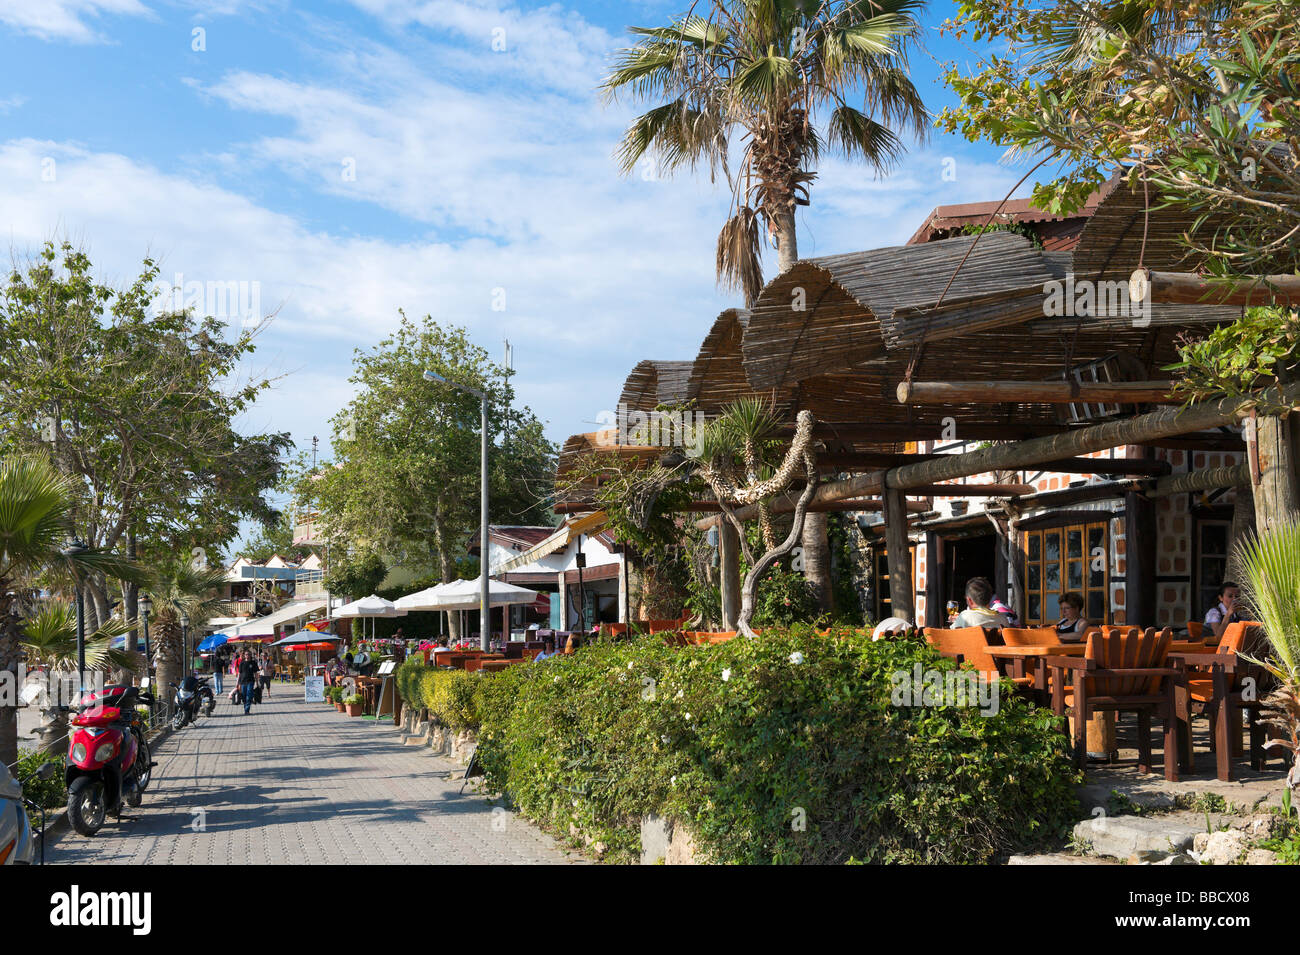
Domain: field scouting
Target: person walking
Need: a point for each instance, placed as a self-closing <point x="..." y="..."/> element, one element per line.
<point x="218" y="672"/>
<point x="247" y="679"/>
<point x="265" y="672"/>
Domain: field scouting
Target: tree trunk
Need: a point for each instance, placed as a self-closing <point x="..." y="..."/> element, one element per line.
<point x="787" y="243"/>
<point x="898" y="553"/>
<point x="169" y="658"/>
<point x="729" y="574"/>
<point x="10" y="658"/>
<point x="1275" y="495"/>
<point x="817" y="558"/>
<point x="131" y="598"/>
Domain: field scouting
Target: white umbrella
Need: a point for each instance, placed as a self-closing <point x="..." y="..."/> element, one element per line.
<point x="427" y="599"/>
<point x="467" y="594"/>
<point x="372" y="606"/>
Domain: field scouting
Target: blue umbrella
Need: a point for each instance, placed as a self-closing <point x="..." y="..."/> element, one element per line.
<point x="214" y="641"/>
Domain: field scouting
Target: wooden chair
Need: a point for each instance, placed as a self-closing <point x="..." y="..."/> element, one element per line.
<point x="1121" y="671"/>
<point x="1030" y="636"/>
<point x="965" y="645"/>
<point x="674" y="638"/>
<point x="1194" y="629"/>
<point x="1216" y="687"/>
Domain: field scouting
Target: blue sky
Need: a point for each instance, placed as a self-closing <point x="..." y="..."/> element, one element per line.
<point x="474" y="171"/>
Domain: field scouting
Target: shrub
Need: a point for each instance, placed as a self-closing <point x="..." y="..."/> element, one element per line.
<point x="788" y="748"/>
<point x="356" y="699"/>
<point x="49" y="793"/>
<point x="450" y="696"/>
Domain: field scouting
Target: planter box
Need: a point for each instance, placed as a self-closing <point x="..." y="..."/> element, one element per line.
<point x="339" y="707"/>
<point x="353" y="709"/>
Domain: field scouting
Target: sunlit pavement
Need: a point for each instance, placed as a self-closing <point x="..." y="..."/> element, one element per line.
<point x="300" y="783"/>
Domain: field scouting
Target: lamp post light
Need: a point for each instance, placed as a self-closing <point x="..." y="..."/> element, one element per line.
<point x="145" y="606"/>
<point x="74" y="549"/>
<point x="484" y="636"/>
<point x="185" y="641"/>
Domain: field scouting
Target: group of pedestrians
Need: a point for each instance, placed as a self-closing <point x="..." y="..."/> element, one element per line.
<point x="250" y="671"/>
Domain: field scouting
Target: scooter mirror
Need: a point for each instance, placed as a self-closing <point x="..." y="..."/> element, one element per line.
<point x="45" y="771"/>
<point x="145" y="683"/>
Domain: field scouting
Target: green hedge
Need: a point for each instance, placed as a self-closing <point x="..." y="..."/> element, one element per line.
<point x="450" y="696"/>
<point x="788" y="748"/>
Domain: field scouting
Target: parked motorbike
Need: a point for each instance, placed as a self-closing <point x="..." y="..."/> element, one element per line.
<point x="17" y="844"/>
<point x="193" y="696"/>
<point x="109" y="762"/>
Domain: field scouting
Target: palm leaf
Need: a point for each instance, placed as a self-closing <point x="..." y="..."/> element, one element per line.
<point x="854" y="133"/>
<point x="739" y="255"/>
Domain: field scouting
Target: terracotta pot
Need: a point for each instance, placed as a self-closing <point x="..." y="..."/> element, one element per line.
<point x="354" y="709"/>
<point x="339" y="707"/>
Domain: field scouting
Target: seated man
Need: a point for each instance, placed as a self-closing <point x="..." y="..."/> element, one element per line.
<point x="1224" y="612"/>
<point x="978" y="613"/>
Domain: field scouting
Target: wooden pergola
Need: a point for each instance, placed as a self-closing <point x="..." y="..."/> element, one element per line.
<point x="951" y="340"/>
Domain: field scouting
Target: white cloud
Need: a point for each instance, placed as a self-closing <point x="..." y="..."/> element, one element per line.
<point x="64" y="19"/>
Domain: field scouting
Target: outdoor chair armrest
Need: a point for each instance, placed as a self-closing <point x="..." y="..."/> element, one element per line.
<point x="1226" y="660"/>
<point x="1142" y="671"/>
<point x="1070" y="663"/>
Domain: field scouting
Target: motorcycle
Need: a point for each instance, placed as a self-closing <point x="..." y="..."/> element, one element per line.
<point x="193" y="696"/>
<point x="17" y="845"/>
<point x="109" y="762"/>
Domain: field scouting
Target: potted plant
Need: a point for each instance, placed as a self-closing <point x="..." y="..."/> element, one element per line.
<point x="336" y="697"/>
<point x="353" y="704"/>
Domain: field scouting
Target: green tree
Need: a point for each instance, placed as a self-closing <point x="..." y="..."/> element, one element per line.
<point x="35" y="520"/>
<point x="356" y="576"/>
<point x="1198" y="102"/>
<point x="405" y="481"/>
<point x="772" y="71"/>
<point x="132" y="404"/>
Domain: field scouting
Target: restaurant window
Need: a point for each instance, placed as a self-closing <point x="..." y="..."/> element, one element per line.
<point x="1212" y="546"/>
<point x="1061" y="560"/>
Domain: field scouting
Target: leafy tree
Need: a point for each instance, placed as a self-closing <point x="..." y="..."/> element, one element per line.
<point x="357" y="576"/>
<point x="275" y="538"/>
<point x="132" y="405"/>
<point x="1198" y="102"/>
<point x="405" y="483"/>
<point x="784" y="74"/>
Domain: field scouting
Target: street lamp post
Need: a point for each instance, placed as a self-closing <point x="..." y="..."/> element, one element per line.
<point x="484" y="635"/>
<point x="185" y="641"/>
<point x="75" y="548"/>
<point x="145" y="606"/>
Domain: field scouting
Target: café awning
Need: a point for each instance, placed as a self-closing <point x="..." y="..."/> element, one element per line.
<point x="265" y="626"/>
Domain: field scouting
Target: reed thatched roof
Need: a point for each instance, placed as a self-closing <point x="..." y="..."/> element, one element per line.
<point x="653" y="383"/>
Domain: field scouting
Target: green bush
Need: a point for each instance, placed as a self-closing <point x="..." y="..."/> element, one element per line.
<point x="50" y="793"/>
<point x="788" y="748"/>
<point x="408" y="676"/>
<point x="450" y="696"/>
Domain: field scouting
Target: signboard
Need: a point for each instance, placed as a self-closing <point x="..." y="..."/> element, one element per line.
<point x="387" y="667"/>
<point x="313" y="688"/>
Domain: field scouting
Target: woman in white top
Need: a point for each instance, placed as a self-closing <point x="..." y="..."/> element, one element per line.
<point x="1072" y="625"/>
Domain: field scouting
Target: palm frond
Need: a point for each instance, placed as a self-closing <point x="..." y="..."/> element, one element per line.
<point x="854" y="133"/>
<point x="740" y="255"/>
<point x="1270" y="564"/>
<point x="677" y="135"/>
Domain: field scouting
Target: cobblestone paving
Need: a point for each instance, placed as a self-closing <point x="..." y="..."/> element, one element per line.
<point x="299" y="783"/>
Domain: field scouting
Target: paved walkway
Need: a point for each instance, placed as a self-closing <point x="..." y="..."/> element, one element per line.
<point x="299" y="783"/>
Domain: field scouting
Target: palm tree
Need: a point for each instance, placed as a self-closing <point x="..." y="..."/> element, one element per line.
<point x="1270" y="565"/>
<point x="35" y="520"/>
<point x="179" y="588"/>
<point x="773" y="69"/>
<point x="50" y="640"/>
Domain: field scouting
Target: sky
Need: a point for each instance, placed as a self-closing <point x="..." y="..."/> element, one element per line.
<point x="348" y="158"/>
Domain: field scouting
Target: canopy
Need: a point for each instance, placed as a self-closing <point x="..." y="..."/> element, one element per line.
<point x="372" y="606"/>
<point x="265" y="626"/>
<point x="307" y="646"/>
<point x="466" y="594"/>
<point x="326" y="638"/>
<point x="427" y="599"/>
<point x="214" y="641"/>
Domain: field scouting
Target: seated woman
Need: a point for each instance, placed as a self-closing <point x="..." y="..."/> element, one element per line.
<point x="1070" y="628"/>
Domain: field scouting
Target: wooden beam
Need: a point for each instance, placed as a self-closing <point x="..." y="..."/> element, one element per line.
<point x="1034" y="392"/>
<point x="1203" y="480"/>
<point x="1014" y="457"/>
<point x="900" y="431"/>
<point x="971" y="490"/>
<point x="853" y="505"/>
<point x="863" y="460"/>
<point x="1187" y="288"/>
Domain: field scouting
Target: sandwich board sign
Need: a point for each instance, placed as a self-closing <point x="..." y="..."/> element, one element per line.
<point x="313" y="688"/>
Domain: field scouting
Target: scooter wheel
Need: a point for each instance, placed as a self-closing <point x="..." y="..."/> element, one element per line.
<point x="143" y="758"/>
<point x="87" y="808"/>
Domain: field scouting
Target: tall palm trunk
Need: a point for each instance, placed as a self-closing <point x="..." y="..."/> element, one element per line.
<point x="168" y="657"/>
<point x="10" y="657"/>
<point x="787" y="243"/>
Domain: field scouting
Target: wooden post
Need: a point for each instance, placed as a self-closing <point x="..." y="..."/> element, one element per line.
<point x="898" y="551"/>
<point x="563" y="597"/>
<point x="1275" y="493"/>
<point x="729" y="573"/>
<point x="934" y="581"/>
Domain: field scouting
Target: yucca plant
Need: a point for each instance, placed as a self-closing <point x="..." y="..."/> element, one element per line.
<point x="1270" y="570"/>
<point x="50" y="640"/>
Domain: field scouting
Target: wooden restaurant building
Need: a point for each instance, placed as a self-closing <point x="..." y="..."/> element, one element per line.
<point x="999" y="405"/>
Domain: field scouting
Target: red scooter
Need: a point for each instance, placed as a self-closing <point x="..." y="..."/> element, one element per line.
<point x="108" y="758"/>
